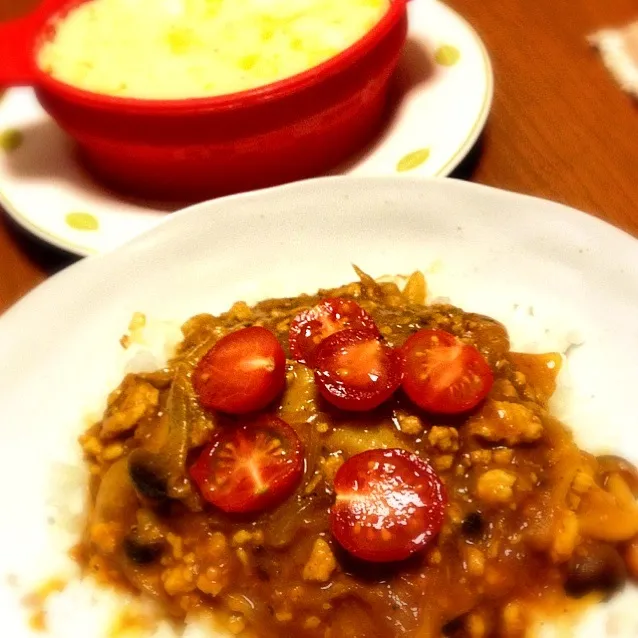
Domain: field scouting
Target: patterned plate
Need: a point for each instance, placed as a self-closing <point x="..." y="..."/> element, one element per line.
<point x="440" y="102"/>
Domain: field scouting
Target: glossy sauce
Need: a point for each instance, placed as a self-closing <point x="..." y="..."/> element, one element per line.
<point x="523" y="532"/>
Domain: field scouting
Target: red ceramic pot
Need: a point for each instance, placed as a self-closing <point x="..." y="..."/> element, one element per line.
<point x="201" y="147"/>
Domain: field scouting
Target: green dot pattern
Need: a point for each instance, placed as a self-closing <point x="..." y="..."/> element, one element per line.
<point x="447" y="55"/>
<point x="11" y="140"/>
<point x="413" y="160"/>
<point x="82" y="221"/>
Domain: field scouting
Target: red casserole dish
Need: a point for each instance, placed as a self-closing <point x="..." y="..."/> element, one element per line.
<point x="203" y="147"/>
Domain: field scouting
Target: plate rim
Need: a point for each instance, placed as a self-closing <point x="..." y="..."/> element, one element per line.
<point x="473" y="134"/>
<point x="581" y="218"/>
<point x="42" y="234"/>
<point x="486" y="107"/>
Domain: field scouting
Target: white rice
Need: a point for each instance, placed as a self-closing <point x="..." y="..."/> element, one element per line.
<point x="88" y="610"/>
<point x="173" y="49"/>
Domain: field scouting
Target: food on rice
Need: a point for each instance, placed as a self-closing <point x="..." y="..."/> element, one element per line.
<point x="354" y="463"/>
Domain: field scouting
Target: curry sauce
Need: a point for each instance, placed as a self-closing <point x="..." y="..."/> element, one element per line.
<point x="531" y="523"/>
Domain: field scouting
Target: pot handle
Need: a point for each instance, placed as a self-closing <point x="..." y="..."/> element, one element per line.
<point x="17" y="44"/>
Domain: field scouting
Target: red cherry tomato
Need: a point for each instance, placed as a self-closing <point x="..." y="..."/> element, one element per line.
<point x="243" y="372"/>
<point x="389" y="504"/>
<point x="443" y="375"/>
<point x="310" y="327"/>
<point x="355" y="371"/>
<point x="250" y="467"/>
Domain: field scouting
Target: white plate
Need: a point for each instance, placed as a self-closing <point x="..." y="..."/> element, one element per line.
<point x="437" y="112"/>
<point x="489" y="251"/>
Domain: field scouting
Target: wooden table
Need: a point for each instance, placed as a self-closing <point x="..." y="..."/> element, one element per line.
<point x="559" y="127"/>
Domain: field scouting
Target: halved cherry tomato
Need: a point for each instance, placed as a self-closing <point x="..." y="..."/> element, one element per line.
<point x="355" y="371"/>
<point x="250" y="467"/>
<point x="310" y="327"/>
<point x="243" y="372"/>
<point x="443" y="375"/>
<point x="389" y="504"/>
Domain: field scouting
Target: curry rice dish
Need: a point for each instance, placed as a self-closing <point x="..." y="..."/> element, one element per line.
<point x="354" y="463"/>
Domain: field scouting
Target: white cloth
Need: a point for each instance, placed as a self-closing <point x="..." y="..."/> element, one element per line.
<point x="619" y="51"/>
